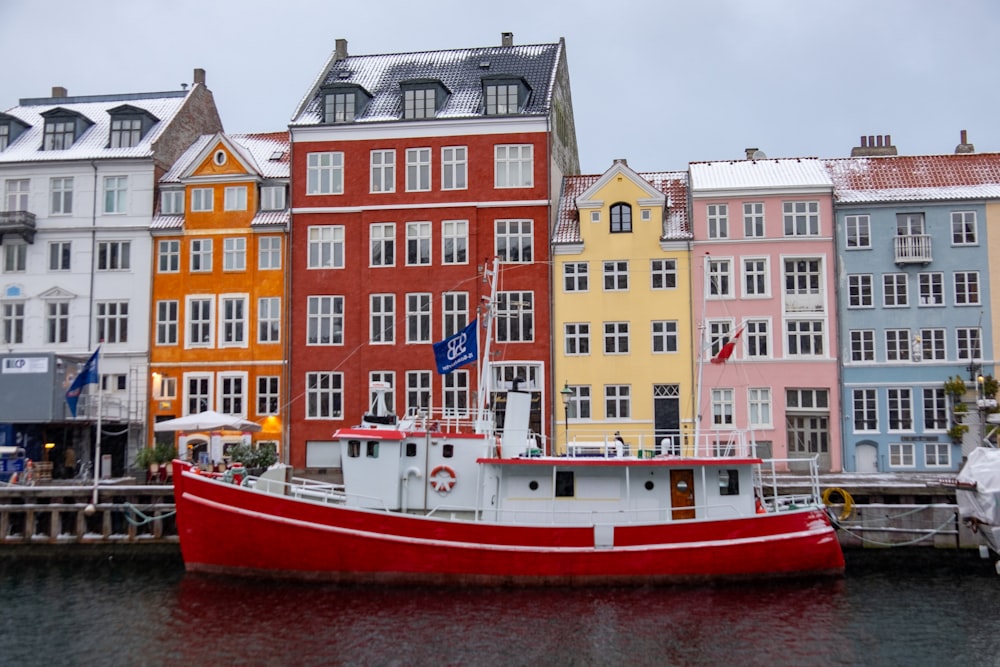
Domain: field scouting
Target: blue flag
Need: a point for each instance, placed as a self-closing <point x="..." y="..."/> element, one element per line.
<point x="457" y="350"/>
<point x="87" y="375"/>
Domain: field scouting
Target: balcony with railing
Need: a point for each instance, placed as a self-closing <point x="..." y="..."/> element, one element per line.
<point x="21" y="223"/>
<point x="913" y="249"/>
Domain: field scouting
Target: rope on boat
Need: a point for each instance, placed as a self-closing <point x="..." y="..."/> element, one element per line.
<point x="143" y="517"/>
<point x="930" y="533"/>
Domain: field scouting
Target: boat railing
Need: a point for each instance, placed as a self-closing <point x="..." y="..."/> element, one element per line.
<point x="711" y="444"/>
<point x="553" y="514"/>
<point x="770" y="469"/>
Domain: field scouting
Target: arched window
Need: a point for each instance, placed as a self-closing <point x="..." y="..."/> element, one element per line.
<point x="621" y="218"/>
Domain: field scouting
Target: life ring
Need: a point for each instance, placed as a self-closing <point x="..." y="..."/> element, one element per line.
<point x="848" y="501"/>
<point x="443" y="479"/>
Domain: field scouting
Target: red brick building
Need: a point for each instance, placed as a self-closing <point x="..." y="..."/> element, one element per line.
<point x="410" y="173"/>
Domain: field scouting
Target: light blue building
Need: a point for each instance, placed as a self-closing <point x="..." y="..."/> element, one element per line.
<point x="913" y="308"/>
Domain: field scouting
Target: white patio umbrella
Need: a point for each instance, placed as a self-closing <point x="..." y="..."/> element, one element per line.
<point x="209" y="420"/>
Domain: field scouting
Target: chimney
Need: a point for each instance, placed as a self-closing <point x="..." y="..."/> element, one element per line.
<point x="59" y="91"/>
<point x="751" y="152"/>
<point x="874" y="146"/>
<point x="620" y="160"/>
<point x="199" y="76"/>
<point x="340" y="50"/>
<point x="507" y="39"/>
<point x="965" y="146"/>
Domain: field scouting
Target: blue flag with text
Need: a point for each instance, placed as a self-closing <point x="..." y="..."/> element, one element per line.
<point x="87" y="375"/>
<point x="457" y="350"/>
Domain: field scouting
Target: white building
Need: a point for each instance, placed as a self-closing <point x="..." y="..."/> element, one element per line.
<point x="78" y="177"/>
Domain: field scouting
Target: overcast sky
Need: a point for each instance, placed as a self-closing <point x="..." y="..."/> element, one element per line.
<point x="658" y="82"/>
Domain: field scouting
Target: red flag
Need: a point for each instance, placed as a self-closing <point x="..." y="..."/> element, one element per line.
<point x="727" y="349"/>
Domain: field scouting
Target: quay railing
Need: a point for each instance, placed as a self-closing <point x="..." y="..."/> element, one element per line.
<point x="62" y="514"/>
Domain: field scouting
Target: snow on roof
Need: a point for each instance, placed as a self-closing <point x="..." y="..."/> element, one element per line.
<point x="673" y="184"/>
<point x="93" y="143"/>
<point x="265" y="151"/>
<point x="461" y="71"/>
<point x="783" y="173"/>
<point x="915" y="177"/>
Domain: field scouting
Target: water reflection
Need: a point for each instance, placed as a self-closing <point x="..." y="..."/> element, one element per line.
<point x="900" y="611"/>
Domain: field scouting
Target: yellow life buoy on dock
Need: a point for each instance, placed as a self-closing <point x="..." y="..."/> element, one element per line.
<point x="848" y="500"/>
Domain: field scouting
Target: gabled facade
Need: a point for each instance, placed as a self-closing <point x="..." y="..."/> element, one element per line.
<point x="410" y="173"/>
<point x="78" y="176"/>
<point x="915" y="307"/>
<point x="622" y="306"/>
<point x="218" y="321"/>
<point x="763" y="275"/>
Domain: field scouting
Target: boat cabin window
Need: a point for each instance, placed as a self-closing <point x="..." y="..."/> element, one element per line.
<point x="729" y="482"/>
<point x="372" y="450"/>
<point x="448" y="451"/>
<point x="564" y="484"/>
<point x="354" y="448"/>
<point x="411" y="449"/>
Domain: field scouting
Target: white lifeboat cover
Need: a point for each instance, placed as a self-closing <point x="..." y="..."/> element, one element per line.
<point x="983" y="468"/>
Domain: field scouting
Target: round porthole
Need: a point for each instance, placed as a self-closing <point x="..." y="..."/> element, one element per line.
<point x="220" y="157"/>
<point x="533" y="485"/>
<point x="649" y="485"/>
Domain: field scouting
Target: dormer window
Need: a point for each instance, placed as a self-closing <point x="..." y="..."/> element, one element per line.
<point x="10" y="129"/>
<point x="59" y="134"/>
<point x="129" y="125"/>
<point x="504" y="96"/>
<point x="172" y="202"/>
<point x="422" y="99"/>
<point x="272" y="198"/>
<point x="62" y="129"/>
<point x="126" y="132"/>
<point x="343" y="104"/>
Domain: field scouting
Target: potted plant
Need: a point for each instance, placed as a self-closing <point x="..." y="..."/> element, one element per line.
<point x="955" y="388"/>
<point x="145" y="459"/>
<point x="957" y="431"/>
<point x="255" y="459"/>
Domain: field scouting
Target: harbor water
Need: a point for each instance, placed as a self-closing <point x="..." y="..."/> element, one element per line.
<point x="898" y="607"/>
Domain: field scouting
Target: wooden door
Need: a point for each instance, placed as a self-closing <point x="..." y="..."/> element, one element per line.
<point x="682" y="494"/>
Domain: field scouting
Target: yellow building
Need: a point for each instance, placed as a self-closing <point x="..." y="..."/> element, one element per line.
<point x="218" y="323"/>
<point x="622" y="333"/>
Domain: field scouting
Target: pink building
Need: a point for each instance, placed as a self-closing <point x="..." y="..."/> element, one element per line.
<point x="763" y="277"/>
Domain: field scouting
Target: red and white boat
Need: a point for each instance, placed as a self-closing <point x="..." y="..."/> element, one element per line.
<point x="446" y="502"/>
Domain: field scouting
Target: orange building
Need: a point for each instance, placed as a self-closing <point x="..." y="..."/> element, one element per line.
<point x="220" y="242"/>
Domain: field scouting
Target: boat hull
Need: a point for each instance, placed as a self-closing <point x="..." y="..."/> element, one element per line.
<point x="229" y="529"/>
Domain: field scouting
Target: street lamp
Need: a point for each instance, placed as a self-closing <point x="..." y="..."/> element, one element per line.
<point x="567" y="394"/>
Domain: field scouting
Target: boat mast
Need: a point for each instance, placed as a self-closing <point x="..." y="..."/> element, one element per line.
<point x="484" y="420"/>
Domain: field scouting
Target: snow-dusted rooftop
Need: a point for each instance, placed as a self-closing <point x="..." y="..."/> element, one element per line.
<point x="93" y="143"/>
<point x="783" y="173"/>
<point x="461" y="71"/>
<point x="915" y="178"/>
<point x="673" y="184"/>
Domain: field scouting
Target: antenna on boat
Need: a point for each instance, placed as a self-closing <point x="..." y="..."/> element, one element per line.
<point x="484" y="420"/>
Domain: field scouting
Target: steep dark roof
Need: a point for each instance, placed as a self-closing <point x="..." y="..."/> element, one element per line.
<point x="461" y="71"/>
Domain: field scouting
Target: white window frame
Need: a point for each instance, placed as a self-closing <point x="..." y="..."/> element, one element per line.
<point x="383" y="170"/>
<point x="967" y="288"/>
<point x="56" y="322"/>
<point x="576" y="277"/>
<point x="201" y="256"/>
<point x="454" y="241"/>
<point x="325" y="173"/>
<point x="382" y="319"/>
<point x="199" y="329"/>
<point x="757" y="339"/>
<point x="720" y="278"/>
<point x="324" y="395"/>
<point x="615" y="275"/>
<point x="515" y="320"/>
<point x="723" y="404"/>
<point x="717" y="221"/>
<point x="231" y="388"/>
<point x="268" y="319"/>
<point x="860" y="290"/>
<point x="617" y="402"/>
<point x="864" y="410"/>
<point x="382" y="244"/>
<point x="60" y="255"/>
<point x="234" y="312"/>
<point x="963" y="228"/>
<point x="115" y="195"/>
<point x="324" y="314"/>
<point x="235" y="198"/>
<point x="114" y="255"/>
<point x="111" y="320"/>
<point x="454" y="168"/>
<point x="168" y="256"/>
<point x="419" y="239"/>
<point x="899" y="409"/>
<point x="513" y="166"/>
<point x="617" y="338"/>
<point x="664" y="336"/>
<point x="862" y="345"/>
<point x="576" y="339"/>
<point x="419" y="315"/>
<point x="800" y="218"/>
<point x="326" y="247"/>
<point x="418" y="170"/>
<point x="753" y="220"/>
<point x="514" y="240"/>
<point x="758" y="269"/>
<point x="454" y="312"/>
<point x="202" y="200"/>
<point x="895" y="290"/>
<point x="167" y="322"/>
<point x="269" y="253"/>
<point x="268" y="395"/>
<point x="859" y="232"/>
<point x="61" y="195"/>
<point x="759" y="407"/>
<point x="662" y="274"/>
<point x="234" y="253"/>
<point x="273" y="198"/>
<point x="930" y="289"/>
